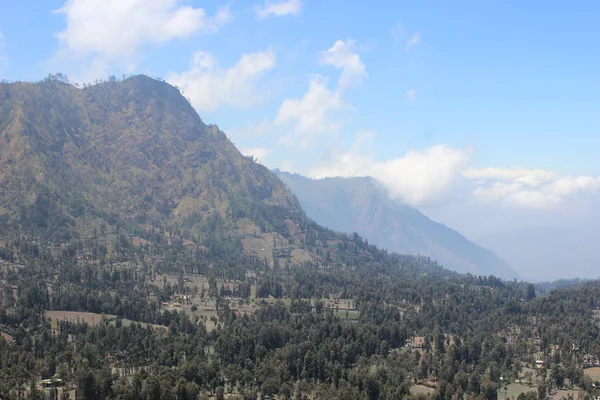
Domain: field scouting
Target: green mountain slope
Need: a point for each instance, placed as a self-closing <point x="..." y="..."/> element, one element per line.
<point x="132" y="149"/>
<point x="132" y="157"/>
<point x="361" y="205"/>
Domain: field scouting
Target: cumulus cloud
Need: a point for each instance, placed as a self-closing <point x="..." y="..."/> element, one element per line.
<point x="317" y="112"/>
<point x="278" y="8"/>
<point x="439" y="173"/>
<point x="529" y="188"/>
<point x="508" y="173"/>
<point x="417" y="177"/>
<point x="311" y="113"/>
<point x="117" y="28"/>
<point x="342" y="56"/>
<point x="209" y="86"/>
<point x="259" y="153"/>
<point x="401" y="34"/>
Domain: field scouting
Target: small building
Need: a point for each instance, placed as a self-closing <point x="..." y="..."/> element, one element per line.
<point x="419" y="342"/>
<point x="589" y="361"/>
<point x="8" y="338"/>
<point x="51" y="383"/>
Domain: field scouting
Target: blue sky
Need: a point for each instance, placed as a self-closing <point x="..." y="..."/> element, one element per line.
<point x="493" y="103"/>
<point x="484" y="114"/>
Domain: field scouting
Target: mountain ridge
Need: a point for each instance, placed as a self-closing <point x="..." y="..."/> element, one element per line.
<point x="130" y="161"/>
<point x="130" y="144"/>
<point x="361" y="205"/>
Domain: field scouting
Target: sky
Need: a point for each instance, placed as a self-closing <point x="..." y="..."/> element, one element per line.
<point x="485" y="115"/>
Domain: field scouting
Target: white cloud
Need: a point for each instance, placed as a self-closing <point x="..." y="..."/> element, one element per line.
<point x="340" y="55"/>
<point x="507" y="173"/>
<point x="411" y="95"/>
<point x="278" y="8"/>
<point x="439" y="173"/>
<point x="529" y="188"/>
<point x="209" y="87"/>
<point x="316" y="112"/>
<point x="117" y="28"/>
<point x="418" y="177"/>
<point x="259" y="153"/>
<point x="401" y="34"/>
<point x="311" y="113"/>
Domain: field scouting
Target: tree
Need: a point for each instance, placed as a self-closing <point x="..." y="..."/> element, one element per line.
<point x="86" y="384"/>
<point x="438" y="339"/>
<point x="297" y="391"/>
<point x="542" y="390"/>
<point x="220" y="393"/>
<point x="530" y="291"/>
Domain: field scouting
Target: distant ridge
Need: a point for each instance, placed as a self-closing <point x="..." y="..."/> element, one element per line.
<point x="362" y="205"/>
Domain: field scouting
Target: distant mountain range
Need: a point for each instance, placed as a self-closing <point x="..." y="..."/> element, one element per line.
<point x="362" y="205"/>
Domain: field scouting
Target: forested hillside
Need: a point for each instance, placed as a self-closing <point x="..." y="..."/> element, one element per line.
<point x="131" y="156"/>
<point x="131" y="151"/>
<point x="143" y="257"/>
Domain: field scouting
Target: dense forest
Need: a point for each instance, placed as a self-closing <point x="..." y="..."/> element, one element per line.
<point x="478" y="332"/>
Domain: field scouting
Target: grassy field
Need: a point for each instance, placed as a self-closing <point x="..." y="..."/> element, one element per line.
<point x="190" y="281"/>
<point x="347" y="314"/>
<point x="69" y="392"/>
<point x="420" y="389"/>
<point x="91" y="319"/>
<point x="593" y="373"/>
<point x="564" y="394"/>
<point x="127" y="322"/>
<point x="514" y="390"/>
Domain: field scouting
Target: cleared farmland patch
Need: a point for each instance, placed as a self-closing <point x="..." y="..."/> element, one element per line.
<point x="92" y="319"/>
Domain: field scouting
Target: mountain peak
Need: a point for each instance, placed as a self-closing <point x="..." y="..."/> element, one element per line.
<point x="132" y="149"/>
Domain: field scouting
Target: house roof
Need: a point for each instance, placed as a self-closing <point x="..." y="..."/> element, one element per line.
<point x="7" y="337"/>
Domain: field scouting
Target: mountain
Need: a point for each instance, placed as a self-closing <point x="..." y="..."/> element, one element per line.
<point x="362" y="205"/>
<point x="130" y="161"/>
<point x="120" y="150"/>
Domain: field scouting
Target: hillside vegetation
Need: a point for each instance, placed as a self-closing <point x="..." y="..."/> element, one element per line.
<point x="143" y="257"/>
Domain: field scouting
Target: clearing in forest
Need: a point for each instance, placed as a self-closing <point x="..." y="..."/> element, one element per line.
<point x="92" y="319"/>
<point x="593" y="373"/>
